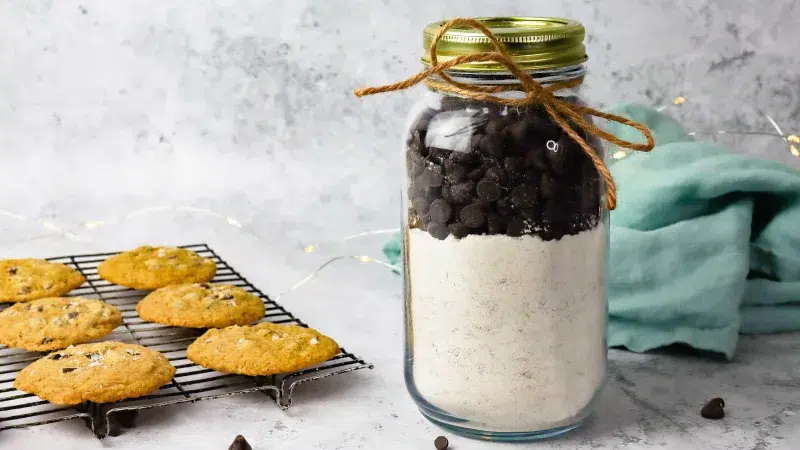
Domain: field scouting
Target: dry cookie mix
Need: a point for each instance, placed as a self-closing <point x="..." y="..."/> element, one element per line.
<point x="102" y="373"/>
<point x="23" y="280"/>
<point x="53" y="323"/>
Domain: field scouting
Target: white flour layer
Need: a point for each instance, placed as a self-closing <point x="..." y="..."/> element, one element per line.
<point x="508" y="333"/>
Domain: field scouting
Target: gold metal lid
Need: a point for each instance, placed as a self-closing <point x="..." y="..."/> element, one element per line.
<point x="536" y="43"/>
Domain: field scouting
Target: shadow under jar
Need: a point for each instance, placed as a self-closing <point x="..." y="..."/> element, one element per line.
<point x="505" y="242"/>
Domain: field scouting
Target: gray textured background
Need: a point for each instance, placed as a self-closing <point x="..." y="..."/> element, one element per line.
<point x="246" y="110"/>
<point x="245" y="107"/>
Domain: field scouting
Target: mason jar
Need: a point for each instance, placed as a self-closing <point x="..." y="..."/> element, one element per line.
<point x="505" y="235"/>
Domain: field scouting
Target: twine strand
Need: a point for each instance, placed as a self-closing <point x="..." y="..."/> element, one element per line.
<point x="563" y="113"/>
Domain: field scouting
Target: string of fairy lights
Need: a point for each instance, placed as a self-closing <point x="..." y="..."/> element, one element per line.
<point x="791" y="139"/>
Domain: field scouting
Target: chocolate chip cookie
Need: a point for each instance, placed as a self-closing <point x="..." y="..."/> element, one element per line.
<point x="102" y="372"/>
<point x="53" y="323"/>
<point x="263" y="349"/>
<point x="23" y="280"/>
<point x="149" y="268"/>
<point x="201" y="305"/>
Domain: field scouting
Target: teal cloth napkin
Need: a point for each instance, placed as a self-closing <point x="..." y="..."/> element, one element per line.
<point x="705" y="243"/>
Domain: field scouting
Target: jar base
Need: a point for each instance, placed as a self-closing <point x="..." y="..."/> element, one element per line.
<point x="502" y="436"/>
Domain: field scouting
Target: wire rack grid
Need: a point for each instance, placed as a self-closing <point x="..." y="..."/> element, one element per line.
<point x="191" y="382"/>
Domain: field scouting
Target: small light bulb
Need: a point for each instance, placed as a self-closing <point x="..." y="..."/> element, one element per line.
<point x="619" y="154"/>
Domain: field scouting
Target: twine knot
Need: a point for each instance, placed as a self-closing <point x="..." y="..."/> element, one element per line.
<point x="562" y="112"/>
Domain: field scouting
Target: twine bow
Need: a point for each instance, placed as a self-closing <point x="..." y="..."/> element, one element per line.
<point x="561" y="111"/>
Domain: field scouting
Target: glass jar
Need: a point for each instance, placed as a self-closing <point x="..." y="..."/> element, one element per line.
<point x="505" y="243"/>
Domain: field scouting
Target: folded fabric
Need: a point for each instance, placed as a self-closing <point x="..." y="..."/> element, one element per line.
<point x="705" y="243"/>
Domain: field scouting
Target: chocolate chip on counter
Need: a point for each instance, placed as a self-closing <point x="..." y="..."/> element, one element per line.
<point x="714" y="409"/>
<point x="240" y="444"/>
<point x="488" y="190"/>
<point x="458" y="230"/>
<point x="433" y="175"/>
<point x="472" y="216"/>
<point x="440" y="211"/>
<point x="12" y="270"/>
<point x="523" y="196"/>
<point x="462" y="192"/>
<point x="68" y="369"/>
<point x="73" y="314"/>
<point x="441" y="443"/>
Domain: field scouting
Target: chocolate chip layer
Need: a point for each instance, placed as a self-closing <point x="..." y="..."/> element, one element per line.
<point x="496" y="170"/>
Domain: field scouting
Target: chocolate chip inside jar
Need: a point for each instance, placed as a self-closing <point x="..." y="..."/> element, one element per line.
<point x="476" y="168"/>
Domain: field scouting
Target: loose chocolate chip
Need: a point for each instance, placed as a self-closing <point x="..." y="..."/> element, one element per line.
<point x="73" y="314"/>
<point x="438" y="230"/>
<point x="517" y="227"/>
<point x="12" y="270"/>
<point x="433" y="175"/>
<point x="441" y="443"/>
<point x="472" y="216"/>
<point x="488" y="190"/>
<point x="55" y="356"/>
<point x="458" y="230"/>
<point x="440" y="211"/>
<point x="523" y="196"/>
<point x="240" y="444"/>
<point x="462" y="192"/>
<point x="68" y="369"/>
<point x="714" y="409"/>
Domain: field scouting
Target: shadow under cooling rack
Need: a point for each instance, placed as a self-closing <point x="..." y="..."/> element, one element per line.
<point x="191" y="382"/>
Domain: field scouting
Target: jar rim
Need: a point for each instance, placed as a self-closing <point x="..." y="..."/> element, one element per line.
<point x="534" y="43"/>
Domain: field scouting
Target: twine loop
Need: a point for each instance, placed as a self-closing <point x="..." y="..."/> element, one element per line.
<point x="560" y="111"/>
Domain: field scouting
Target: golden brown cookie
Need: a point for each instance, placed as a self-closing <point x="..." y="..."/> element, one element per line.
<point x="263" y="349"/>
<point x="23" y="280"/>
<point x="53" y="323"/>
<point x="201" y="305"/>
<point x="150" y="268"/>
<point x="102" y="372"/>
